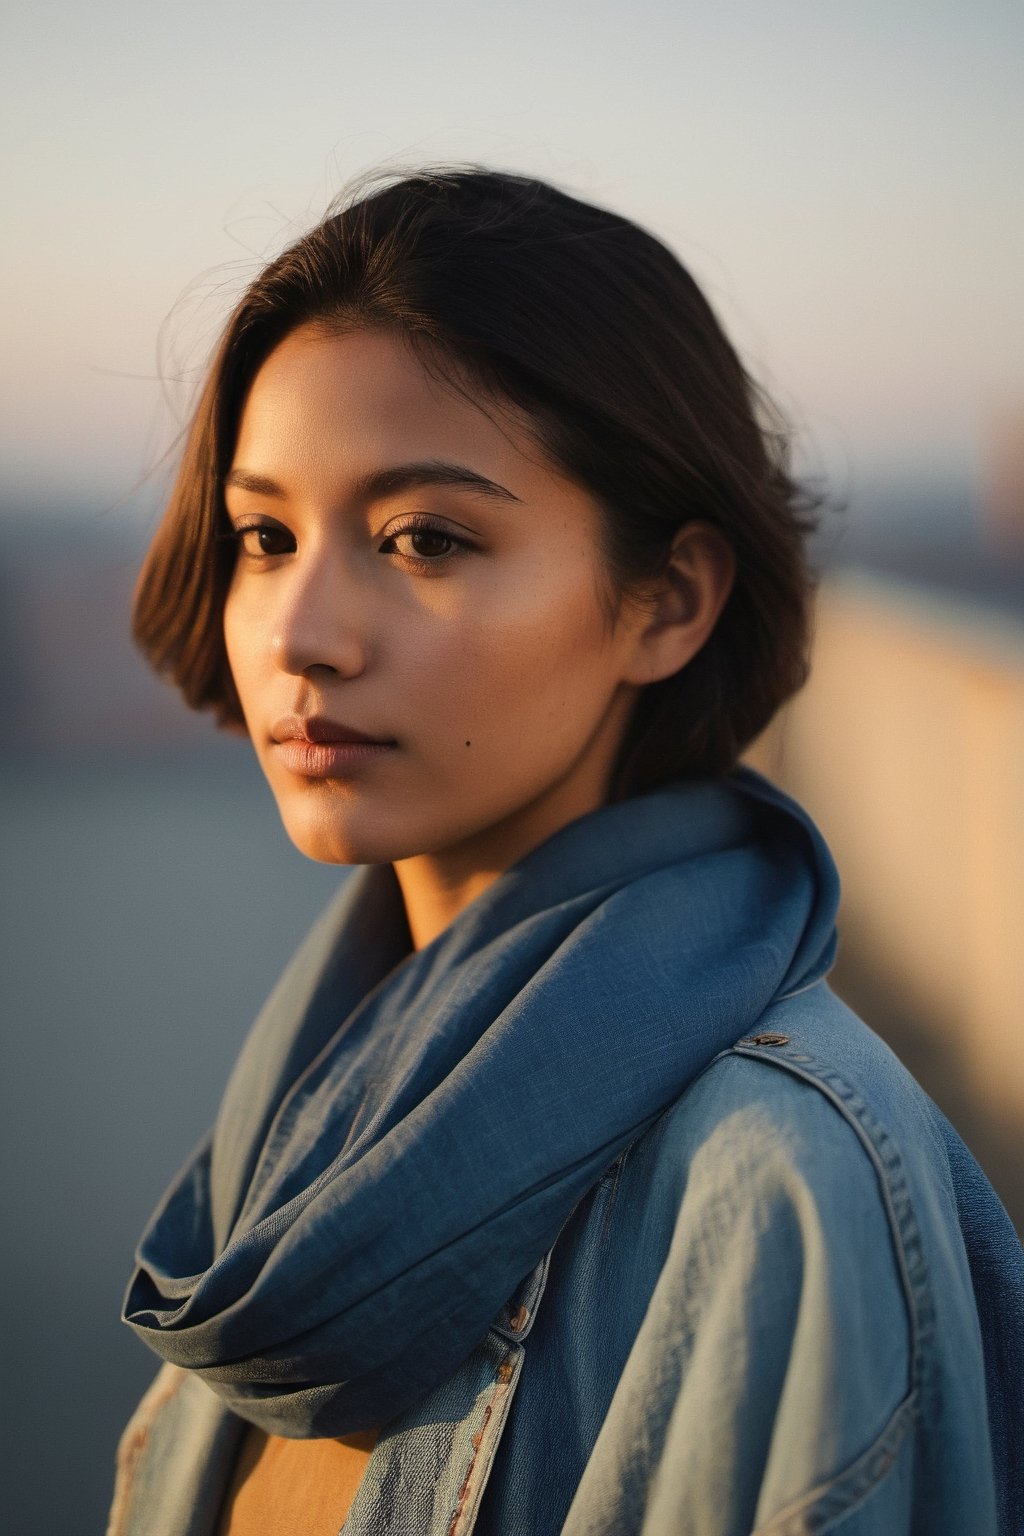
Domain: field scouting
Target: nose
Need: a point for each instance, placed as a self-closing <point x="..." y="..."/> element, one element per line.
<point x="318" y="622"/>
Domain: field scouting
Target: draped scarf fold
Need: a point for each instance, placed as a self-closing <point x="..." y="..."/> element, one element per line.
<point x="405" y="1132"/>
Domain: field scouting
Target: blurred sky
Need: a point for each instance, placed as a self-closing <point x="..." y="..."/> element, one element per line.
<point x="843" y="178"/>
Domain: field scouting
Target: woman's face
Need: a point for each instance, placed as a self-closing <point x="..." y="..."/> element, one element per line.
<point x="413" y="570"/>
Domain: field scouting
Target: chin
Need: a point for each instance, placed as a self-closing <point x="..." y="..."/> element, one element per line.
<point x="337" y="845"/>
<point x="333" y="832"/>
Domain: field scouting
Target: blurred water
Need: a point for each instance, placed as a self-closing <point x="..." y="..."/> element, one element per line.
<point x="147" y="909"/>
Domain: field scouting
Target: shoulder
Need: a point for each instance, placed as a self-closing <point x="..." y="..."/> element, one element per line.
<point x="792" y="1220"/>
<point x="810" y="1092"/>
<point x="808" y="1350"/>
<point x="808" y="1149"/>
<point x="772" y="1377"/>
<point x="812" y="1083"/>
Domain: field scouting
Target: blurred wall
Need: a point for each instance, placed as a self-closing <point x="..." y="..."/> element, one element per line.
<point x="907" y="746"/>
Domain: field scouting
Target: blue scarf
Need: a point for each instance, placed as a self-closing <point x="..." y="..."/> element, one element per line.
<point x="405" y="1133"/>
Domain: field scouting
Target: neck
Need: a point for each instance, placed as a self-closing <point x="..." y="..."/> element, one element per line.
<point x="436" y="887"/>
<point x="434" y="896"/>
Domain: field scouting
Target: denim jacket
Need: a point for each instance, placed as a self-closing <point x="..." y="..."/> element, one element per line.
<point x="793" y="1305"/>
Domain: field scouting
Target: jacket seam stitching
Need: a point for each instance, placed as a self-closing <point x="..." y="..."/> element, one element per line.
<point x="887" y="1162"/>
<point x="815" y="1511"/>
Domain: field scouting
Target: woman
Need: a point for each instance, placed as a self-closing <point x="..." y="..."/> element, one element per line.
<point x="553" y="1189"/>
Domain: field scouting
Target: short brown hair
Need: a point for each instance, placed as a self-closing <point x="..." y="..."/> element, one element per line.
<point x="596" y="330"/>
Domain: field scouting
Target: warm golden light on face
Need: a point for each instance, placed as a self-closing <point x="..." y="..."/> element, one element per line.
<point x="412" y="570"/>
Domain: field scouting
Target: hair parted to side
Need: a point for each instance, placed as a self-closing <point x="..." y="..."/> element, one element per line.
<point x="592" y="327"/>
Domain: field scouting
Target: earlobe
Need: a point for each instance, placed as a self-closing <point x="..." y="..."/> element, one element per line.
<point x="698" y="578"/>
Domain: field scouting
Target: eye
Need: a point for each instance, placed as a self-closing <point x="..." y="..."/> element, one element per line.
<point x="258" y="541"/>
<point x="426" y="542"/>
<point x="422" y="542"/>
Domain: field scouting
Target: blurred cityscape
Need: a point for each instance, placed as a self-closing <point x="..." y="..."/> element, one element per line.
<point x="151" y="896"/>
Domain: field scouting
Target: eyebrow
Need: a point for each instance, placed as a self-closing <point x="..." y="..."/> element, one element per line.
<point x="379" y="483"/>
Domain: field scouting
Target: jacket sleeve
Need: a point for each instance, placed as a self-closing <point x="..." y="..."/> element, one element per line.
<point x="770" y="1387"/>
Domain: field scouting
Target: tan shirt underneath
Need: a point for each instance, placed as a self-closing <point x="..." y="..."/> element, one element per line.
<point x="283" y="1486"/>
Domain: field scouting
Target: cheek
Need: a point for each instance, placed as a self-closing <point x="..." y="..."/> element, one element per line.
<point x="244" y="629"/>
<point x="529" y="654"/>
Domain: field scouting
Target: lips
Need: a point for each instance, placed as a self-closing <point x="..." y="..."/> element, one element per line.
<point x="314" y="748"/>
<point x="319" y="730"/>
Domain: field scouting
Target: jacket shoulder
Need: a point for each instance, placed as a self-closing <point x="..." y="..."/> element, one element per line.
<point x="833" y="1091"/>
<point x="805" y="1222"/>
<point x="812" y="1096"/>
<point x="771" y="1381"/>
<point x="812" y="1082"/>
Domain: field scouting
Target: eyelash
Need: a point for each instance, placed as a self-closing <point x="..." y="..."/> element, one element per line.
<point x="418" y="523"/>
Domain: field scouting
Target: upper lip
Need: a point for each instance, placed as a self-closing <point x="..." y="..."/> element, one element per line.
<point x="317" y="728"/>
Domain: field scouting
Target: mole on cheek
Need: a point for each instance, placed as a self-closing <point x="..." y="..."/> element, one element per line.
<point x="467" y="743"/>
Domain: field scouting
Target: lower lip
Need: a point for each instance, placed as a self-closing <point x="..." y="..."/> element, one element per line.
<point x="329" y="759"/>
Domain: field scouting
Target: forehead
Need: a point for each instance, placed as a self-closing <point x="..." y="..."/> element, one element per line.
<point x="339" y="403"/>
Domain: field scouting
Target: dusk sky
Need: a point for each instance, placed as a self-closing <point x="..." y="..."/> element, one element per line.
<point x="845" y="180"/>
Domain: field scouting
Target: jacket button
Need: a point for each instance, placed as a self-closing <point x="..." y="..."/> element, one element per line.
<point x="766" y="1040"/>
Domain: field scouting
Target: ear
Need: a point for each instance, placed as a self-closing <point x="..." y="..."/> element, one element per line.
<point x="684" y="607"/>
